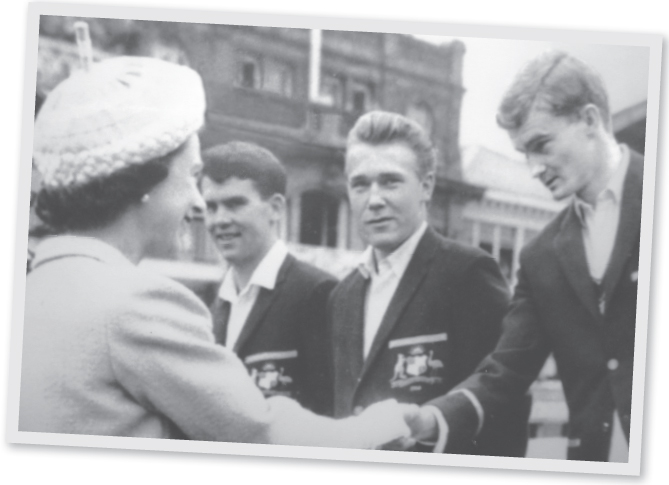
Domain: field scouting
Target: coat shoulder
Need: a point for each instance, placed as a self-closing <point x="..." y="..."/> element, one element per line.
<point x="114" y="289"/>
<point x="542" y="243"/>
<point x="310" y="274"/>
<point x="305" y="285"/>
<point x="451" y="255"/>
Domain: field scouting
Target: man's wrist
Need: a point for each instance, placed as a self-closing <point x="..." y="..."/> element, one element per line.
<point x="441" y="432"/>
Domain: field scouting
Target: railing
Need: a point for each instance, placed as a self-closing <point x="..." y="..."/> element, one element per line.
<point x="257" y="105"/>
<point x="317" y="122"/>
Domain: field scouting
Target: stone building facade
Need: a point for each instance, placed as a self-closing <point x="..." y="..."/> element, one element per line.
<point x="257" y="82"/>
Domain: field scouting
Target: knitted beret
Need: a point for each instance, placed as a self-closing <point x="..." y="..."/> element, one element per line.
<point x="119" y="112"/>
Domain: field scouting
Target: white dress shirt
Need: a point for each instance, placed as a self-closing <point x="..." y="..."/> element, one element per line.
<point x="241" y="302"/>
<point x="385" y="274"/>
<point x="600" y="221"/>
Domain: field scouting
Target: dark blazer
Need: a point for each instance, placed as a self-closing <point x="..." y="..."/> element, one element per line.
<point x="556" y="308"/>
<point x="443" y="319"/>
<point x="283" y="340"/>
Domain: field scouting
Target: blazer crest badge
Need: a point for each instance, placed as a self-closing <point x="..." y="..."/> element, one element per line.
<point x="417" y="365"/>
<point x="269" y="372"/>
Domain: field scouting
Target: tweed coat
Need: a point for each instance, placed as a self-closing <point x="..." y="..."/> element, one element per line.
<point x="283" y="341"/>
<point x="556" y="309"/>
<point x="111" y="349"/>
<point x="443" y="319"/>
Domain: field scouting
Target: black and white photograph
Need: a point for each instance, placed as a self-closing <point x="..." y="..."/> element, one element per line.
<point x="297" y="238"/>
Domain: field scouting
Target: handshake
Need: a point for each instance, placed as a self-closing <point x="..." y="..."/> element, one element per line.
<point x="389" y="425"/>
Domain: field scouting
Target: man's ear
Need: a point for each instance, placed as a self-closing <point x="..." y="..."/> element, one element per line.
<point x="427" y="185"/>
<point x="592" y="116"/>
<point x="278" y="204"/>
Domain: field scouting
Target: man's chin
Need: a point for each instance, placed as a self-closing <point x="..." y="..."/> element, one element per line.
<point x="228" y="254"/>
<point x="560" y="195"/>
<point x="385" y="244"/>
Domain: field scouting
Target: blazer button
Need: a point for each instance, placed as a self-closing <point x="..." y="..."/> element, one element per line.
<point x="606" y="426"/>
<point x="612" y="364"/>
<point x="357" y="410"/>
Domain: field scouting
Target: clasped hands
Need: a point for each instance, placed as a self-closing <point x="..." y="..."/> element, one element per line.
<point x="400" y="426"/>
<point x="423" y="426"/>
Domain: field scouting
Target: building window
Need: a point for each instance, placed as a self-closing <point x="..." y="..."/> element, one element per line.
<point x="421" y="114"/>
<point x="501" y="242"/>
<point x="361" y="99"/>
<point x="507" y="241"/>
<point x="486" y="237"/>
<point x="266" y="74"/>
<point x="319" y="219"/>
<point x="278" y="78"/>
<point x="332" y="91"/>
<point x="248" y="73"/>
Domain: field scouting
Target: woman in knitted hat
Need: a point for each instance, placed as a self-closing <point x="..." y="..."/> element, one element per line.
<point x="112" y="349"/>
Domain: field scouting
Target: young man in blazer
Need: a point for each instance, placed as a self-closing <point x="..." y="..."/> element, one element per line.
<point x="421" y="311"/>
<point x="577" y="284"/>
<point x="271" y="307"/>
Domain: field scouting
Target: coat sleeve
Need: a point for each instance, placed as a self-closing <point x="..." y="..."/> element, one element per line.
<point x="164" y="355"/>
<point x="477" y="321"/>
<point x="504" y="376"/>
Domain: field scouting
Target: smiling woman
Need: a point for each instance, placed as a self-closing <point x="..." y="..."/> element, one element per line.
<point x="112" y="349"/>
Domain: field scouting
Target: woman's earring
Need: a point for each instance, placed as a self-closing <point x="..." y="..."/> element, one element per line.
<point x="145" y="198"/>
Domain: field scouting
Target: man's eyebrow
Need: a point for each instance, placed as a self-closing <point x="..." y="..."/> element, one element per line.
<point x="387" y="175"/>
<point x="529" y="145"/>
<point x="234" y="198"/>
<point x="357" y="178"/>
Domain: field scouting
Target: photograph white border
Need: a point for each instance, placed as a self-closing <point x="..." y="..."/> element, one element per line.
<point x="654" y="42"/>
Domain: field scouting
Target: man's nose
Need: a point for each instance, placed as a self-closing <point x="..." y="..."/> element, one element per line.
<point x="536" y="166"/>
<point x="375" y="197"/>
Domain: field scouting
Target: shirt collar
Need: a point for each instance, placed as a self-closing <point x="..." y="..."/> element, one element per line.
<point x="613" y="189"/>
<point x="397" y="261"/>
<point x="56" y="247"/>
<point x="265" y="274"/>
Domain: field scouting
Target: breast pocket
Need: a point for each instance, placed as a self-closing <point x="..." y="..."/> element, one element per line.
<point x="274" y="372"/>
<point x="418" y="370"/>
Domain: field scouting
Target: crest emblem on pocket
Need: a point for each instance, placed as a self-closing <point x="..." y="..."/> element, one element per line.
<point x="270" y="377"/>
<point x="416" y="366"/>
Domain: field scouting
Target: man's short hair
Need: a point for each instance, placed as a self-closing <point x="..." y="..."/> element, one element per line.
<point x="245" y="161"/>
<point x="383" y="127"/>
<point x="557" y="82"/>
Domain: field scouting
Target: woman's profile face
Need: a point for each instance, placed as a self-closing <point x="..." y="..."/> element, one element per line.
<point x="171" y="202"/>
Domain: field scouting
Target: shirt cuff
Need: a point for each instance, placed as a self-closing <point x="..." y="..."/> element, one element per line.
<point x="442" y="437"/>
<point x="477" y="406"/>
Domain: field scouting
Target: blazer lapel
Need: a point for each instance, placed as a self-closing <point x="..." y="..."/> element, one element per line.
<point x="571" y="254"/>
<point x="347" y="334"/>
<point x="413" y="276"/>
<point x="220" y="313"/>
<point x="627" y="237"/>
<point x="262" y="305"/>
